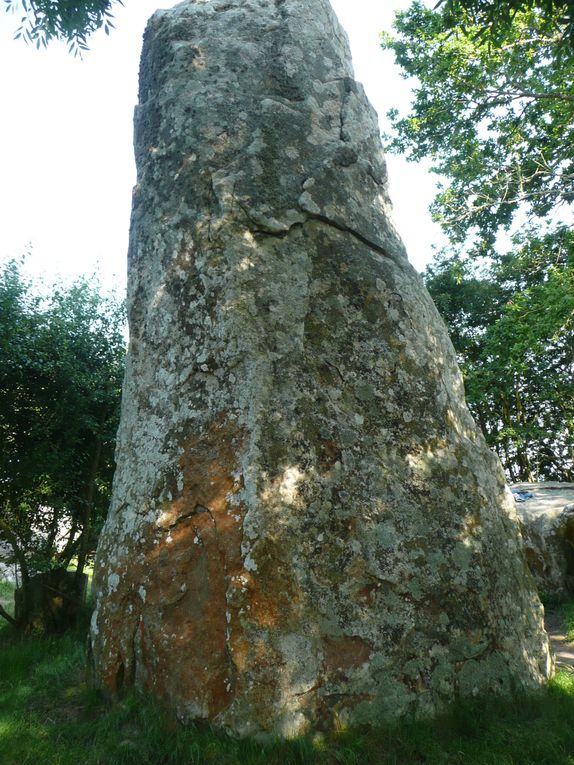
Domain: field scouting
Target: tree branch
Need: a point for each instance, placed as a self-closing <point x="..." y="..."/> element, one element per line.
<point x="517" y="93"/>
<point x="7" y="616"/>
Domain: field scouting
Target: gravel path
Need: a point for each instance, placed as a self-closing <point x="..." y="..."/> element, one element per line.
<point x="563" y="650"/>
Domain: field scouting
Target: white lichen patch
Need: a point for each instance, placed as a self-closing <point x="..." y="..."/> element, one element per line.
<point x="248" y="563"/>
<point x="289" y="483"/>
<point x="113" y="581"/>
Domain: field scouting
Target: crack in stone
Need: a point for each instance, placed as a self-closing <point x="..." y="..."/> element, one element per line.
<point x="223" y="558"/>
<point x="356" y="234"/>
<point x="336" y="368"/>
<point x="196" y="511"/>
<point x="380" y="580"/>
<point x="315" y="687"/>
<point x="348" y="695"/>
<point x="376" y="181"/>
<point x="258" y="228"/>
<point x="207" y="510"/>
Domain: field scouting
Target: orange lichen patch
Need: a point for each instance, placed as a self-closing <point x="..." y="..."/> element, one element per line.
<point x="260" y="684"/>
<point x="273" y="595"/>
<point x="170" y="612"/>
<point x="186" y="611"/>
<point x="368" y="591"/>
<point x="240" y="648"/>
<point x="345" y="652"/>
<point x="265" y="609"/>
<point x="209" y="466"/>
<point x="330" y="452"/>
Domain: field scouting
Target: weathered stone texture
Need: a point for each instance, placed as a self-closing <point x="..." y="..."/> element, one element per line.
<point x="547" y="526"/>
<point x="307" y="527"/>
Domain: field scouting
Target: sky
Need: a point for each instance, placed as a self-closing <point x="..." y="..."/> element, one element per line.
<point x="66" y="155"/>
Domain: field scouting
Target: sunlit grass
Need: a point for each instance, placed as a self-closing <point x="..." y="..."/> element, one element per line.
<point x="568" y="611"/>
<point x="7" y="595"/>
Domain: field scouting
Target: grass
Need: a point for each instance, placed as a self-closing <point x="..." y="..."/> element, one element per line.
<point x="7" y="596"/>
<point x="568" y="611"/>
<point x="49" y="715"/>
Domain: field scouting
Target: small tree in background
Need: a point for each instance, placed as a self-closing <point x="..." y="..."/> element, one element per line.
<point x="61" y="368"/>
<point x="494" y="18"/>
<point x="42" y="21"/>
<point x="512" y="324"/>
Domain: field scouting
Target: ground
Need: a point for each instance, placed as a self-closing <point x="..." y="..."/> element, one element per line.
<point x="557" y="629"/>
<point x="49" y="714"/>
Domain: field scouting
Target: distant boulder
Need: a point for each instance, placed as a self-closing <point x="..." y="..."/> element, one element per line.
<point x="547" y="524"/>
<point x="50" y="601"/>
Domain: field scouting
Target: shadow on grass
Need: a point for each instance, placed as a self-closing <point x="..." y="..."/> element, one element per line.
<point x="48" y="715"/>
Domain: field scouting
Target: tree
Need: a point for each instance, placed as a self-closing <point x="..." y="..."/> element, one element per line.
<point x="512" y="323"/>
<point x="495" y="116"/>
<point x="494" y="111"/>
<point x="61" y="366"/>
<point x="495" y="17"/>
<point x="42" y="21"/>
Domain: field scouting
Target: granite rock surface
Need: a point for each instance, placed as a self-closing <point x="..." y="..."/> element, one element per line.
<point x="307" y="528"/>
<point x="547" y="526"/>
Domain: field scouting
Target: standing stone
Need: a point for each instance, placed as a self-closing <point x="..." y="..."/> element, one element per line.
<point x="307" y="528"/>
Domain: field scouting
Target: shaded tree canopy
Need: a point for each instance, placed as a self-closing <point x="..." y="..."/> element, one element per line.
<point x="493" y="111"/>
<point x="495" y="17"/>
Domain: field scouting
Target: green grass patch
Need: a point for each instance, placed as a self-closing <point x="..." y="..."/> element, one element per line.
<point x="6" y="592"/>
<point x="7" y="602"/>
<point x="568" y="613"/>
<point x="49" y="715"/>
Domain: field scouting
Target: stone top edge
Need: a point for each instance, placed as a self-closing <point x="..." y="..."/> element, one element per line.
<point x="544" y="486"/>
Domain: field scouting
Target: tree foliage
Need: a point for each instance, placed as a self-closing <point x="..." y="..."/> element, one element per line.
<point x="493" y="109"/>
<point x="42" y="21"/>
<point x="495" y="116"/>
<point x="61" y="367"/>
<point x="512" y="324"/>
<point x="494" y="18"/>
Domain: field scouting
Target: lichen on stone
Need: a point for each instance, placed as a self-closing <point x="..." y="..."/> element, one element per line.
<point x="307" y="529"/>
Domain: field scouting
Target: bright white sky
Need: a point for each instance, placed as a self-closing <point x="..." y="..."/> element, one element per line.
<point x="66" y="158"/>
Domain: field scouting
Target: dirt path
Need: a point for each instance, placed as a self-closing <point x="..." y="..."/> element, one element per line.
<point x="563" y="650"/>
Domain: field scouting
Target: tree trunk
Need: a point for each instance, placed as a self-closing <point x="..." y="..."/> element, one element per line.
<point x="20" y="558"/>
<point x="10" y="619"/>
<point x="66" y="555"/>
<point x="88" y="507"/>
